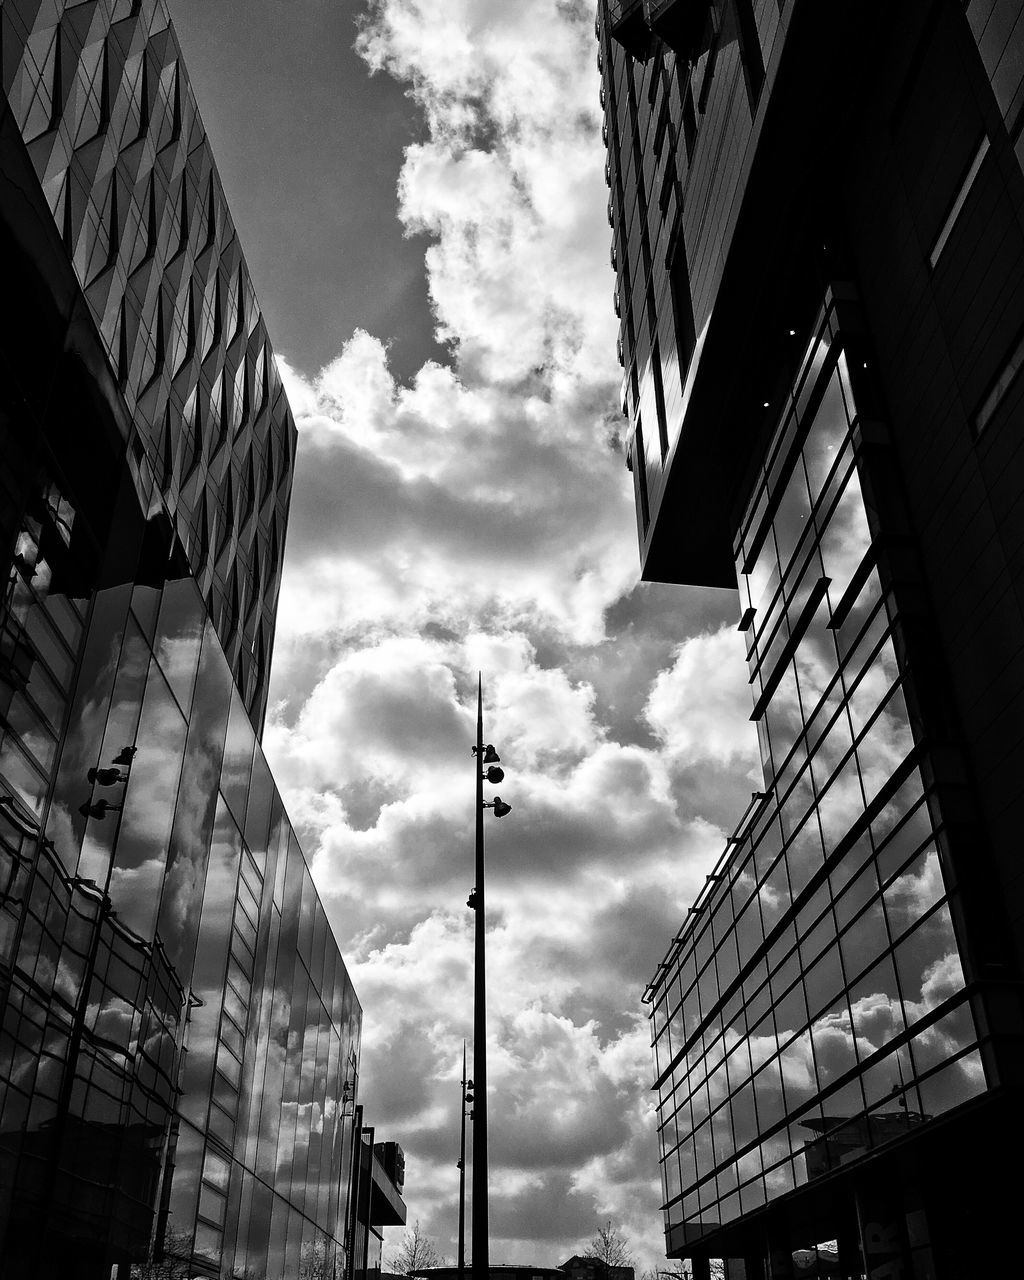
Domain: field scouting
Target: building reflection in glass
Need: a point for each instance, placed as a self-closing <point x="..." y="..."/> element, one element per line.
<point x="814" y="1007"/>
<point x="179" y="1029"/>
<point x="178" y="1034"/>
<point x="179" y="1039"/>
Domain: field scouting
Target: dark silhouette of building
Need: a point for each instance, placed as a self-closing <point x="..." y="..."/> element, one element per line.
<point x="378" y="1180"/>
<point x="496" y="1271"/>
<point x="586" y="1267"/>
<point x="180" y="1039"/>
<point x="818" y="239"/>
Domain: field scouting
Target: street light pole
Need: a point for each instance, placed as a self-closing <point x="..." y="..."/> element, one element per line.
<point x="481" y="1258"/>
<point x="482" y="755"/>
<point x="462" y="1172"/>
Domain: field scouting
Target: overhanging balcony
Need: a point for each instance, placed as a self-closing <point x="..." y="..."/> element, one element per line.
<point x="682" y="24"/>
<point x="627" y="24"/>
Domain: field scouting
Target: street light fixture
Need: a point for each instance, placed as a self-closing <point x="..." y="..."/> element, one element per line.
<point x="98" y="808"/>
<point x="105" y="777"/>
<point x="108" y="776"/>
<point x="482" y="755"/>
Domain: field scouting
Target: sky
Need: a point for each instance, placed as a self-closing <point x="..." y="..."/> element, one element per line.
<point x="419" y="192"/>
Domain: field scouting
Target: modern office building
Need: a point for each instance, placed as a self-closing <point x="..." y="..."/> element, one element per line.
<point x="180" y="1039"/>
<point x="378" y="1179"/>
<point x="818" y="238"/>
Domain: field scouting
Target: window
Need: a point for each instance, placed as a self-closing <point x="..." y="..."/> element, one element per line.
<point x="750" y="52"/>
<point x="640" y="473"/>
<point x="682" y="301"/>
<point x="689" y="123"/>
<point x="659" y="400"/>
<point x="1005" y="379"/>
<point x="959" y="201"/>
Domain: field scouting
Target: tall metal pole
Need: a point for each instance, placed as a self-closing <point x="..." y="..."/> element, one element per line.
<point x="462" y="1173"/>
<point x="481" y="1259"/>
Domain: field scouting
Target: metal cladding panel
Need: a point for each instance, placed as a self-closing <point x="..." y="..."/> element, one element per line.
<point x="102" y="101"/>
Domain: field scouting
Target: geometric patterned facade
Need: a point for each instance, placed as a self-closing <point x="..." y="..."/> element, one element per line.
<point x="99" y="92"/>
<point x="179" y="1036"/>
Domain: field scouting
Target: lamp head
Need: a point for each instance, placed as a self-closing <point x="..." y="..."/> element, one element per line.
<point x="104" y="777"/>
<point x="494" y="774"/>
<point x="490" y="755"/>
<point x="500" y="807"/>
<point x="97" y="808"/>
<point x="125" y="756"/>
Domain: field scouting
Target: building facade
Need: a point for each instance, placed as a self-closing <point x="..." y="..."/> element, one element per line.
<point x="818" y="239"/>
<point x="376" y="1197"/>
<point x="180" y="1038"/>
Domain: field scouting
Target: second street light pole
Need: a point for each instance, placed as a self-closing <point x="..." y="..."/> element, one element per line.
<point x="481" y="1258"/>
<point x="482" y="755"/>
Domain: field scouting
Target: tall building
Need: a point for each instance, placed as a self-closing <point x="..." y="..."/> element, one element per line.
<point x="818" y="239"/>
<point x="180" y="1038"/>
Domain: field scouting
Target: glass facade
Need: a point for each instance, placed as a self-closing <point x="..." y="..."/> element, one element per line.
<point x="179" y="1038"/>
<point x="814" y="1007"/>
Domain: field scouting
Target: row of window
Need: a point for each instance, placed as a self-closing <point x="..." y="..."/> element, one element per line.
<point x="840" y="726"/>
<point x="884" y="998"/>
<point x="845" y="1019"/>
<point x="277" y="1085"/>
<point x="820" y="1140"/>
<point x="819" y="984"/>
<point x="246" y="1228"/>
<point x="786" y="847"/>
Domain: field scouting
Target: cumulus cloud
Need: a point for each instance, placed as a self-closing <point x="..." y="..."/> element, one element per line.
<point x="478" y="518"/>
<point x="509" y="180"/>
<point x="700" y="706"/>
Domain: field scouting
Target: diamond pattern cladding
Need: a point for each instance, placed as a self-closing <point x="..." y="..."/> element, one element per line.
<point x="100" y="94"/>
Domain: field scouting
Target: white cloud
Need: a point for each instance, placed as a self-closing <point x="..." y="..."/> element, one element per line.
<point x="479" y="518"/>
<point x="700" y="706"/>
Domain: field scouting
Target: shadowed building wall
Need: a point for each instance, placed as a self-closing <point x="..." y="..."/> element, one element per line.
<point x="818" y="238"/>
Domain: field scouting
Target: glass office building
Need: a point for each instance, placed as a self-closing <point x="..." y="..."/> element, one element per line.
<point x="818" y="282"/>
<point x="180" y="1039"/>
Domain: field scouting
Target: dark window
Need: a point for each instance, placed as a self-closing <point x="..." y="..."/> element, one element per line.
<point x="659" y="399"/>
<point x="1005" y="379"/>
<point x="682" y="303"/>
<point x="640" y="472"/>
<point x="689" y="123"/>
<point x="668" y="183"/>
<point x="750" y="51"/>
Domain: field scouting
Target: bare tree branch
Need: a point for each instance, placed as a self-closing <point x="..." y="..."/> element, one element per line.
<point x="611" y="1247"/>
<point x="416" y="1252"/>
